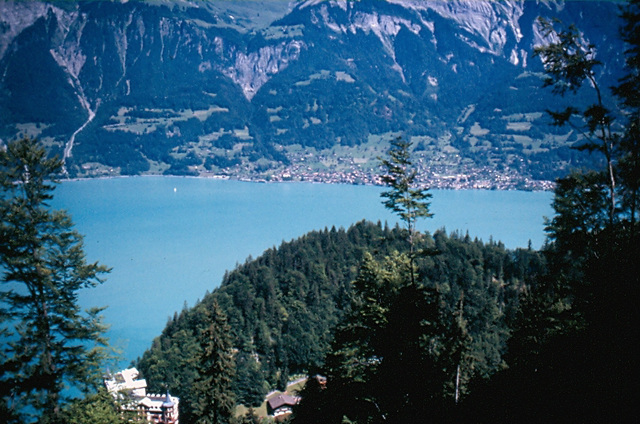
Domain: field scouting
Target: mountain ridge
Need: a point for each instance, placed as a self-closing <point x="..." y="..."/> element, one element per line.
<point x="315" y="93"/>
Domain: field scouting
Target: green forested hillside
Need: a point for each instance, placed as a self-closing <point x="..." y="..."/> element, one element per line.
<point x="284" y="306"/>
<point x="293" y="90"/>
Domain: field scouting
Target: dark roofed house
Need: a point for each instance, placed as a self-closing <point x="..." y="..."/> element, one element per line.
<point x="280" y="406"/>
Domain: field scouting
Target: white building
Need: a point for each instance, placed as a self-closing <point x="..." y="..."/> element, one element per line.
<point x="132" y="392"/>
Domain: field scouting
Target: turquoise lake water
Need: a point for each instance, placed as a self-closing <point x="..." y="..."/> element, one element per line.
<point x="169" y="240"/>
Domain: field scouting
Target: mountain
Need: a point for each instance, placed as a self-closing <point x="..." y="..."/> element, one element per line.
<point x="283" y="306"/>
<point x="308" y="90"/>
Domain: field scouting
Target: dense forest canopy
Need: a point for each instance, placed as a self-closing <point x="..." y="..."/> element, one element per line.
<point x="284" y="306"/>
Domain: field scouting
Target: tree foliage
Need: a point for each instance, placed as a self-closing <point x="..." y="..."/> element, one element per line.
<point x="628" y="91"/>
<point x="570" y="62"/>
<point x="383" y="362"/>
<point x="410" y="349"/>
<point x="284" y="306"/>
<point x="572" y="352"/>
<point x="214" y="398"/>
<point x="281" y="308"/>
<point x="471" y="332"/>
<point x="96" y="408"/>
<point x="51" y="342"/>
<point x="404" y="197"/>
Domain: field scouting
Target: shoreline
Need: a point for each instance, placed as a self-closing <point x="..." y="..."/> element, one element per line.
<point x="543" y="186"/>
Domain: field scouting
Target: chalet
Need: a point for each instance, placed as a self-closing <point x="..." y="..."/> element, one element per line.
<point x="281" y="405"/>
<point x="132" y="393"/>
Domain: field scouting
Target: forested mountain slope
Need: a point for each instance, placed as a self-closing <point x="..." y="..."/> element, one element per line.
<point x="301" y="92"/>
<point x="284" y="306"/>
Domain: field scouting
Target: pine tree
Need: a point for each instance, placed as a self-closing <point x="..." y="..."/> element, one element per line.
<point x="214" y="401"/>
<point x="249" y="382"/>
<point x="250" y="417"/>
<point x="52" y="342"/>
<point x="353" y="363"/>
<point x="405" y="197"/>
<point x="381" y="367"/>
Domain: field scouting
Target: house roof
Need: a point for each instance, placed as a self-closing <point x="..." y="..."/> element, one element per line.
<point x="126" y="380"/>
<point x="282" y="400"/>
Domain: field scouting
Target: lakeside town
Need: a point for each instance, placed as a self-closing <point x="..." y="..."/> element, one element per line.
<point x="463" y="177"/>
<point x="446" y="177"/>
<point x="480" y="178"/>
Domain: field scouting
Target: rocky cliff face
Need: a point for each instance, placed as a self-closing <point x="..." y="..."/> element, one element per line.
<point x="130" y="87"/>
<point x="252" y="70"/>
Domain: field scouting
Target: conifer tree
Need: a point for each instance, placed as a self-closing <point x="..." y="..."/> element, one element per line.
<point x="588" y="235"/>
<point x="404" y="198"/>
<point x="52" y="343"/>
<point x="215" y="400"/>
<point x="249" y="381"/>
<point x="250" y="417"/>
<point x="99" y="408"/>
<point x="382" y="367"/>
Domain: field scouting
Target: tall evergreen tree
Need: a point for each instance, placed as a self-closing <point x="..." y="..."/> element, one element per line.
<point x="100" y="408"/>
<point x="383" y="365"/>
<point x="214" y="401"/>
<point x="588" y="235"/>
<point x="404" y="196"/>
<point x="52" y="343"/>
<point x="249" y="384"/>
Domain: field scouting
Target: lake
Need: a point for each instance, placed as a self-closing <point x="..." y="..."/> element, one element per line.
<point x="170" y="240"/>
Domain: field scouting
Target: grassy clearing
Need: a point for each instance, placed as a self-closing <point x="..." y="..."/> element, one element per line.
<point x="242" y="134"/>
<point x="31" y="129"/>
<point x="343" y="76"/>
<point x="126" y="121"/>
<point x="519" y="126"/>
<point x="477" y="131"/>
<point x="324" y="74"/>
<point x="526" y="141"/>
<point x="277" y="32"/>
<point x="465" y="113"/>
<point x="528" y="117"/>
<point x="34" y="130"/>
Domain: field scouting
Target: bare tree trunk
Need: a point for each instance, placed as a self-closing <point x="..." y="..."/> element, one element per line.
<point x="458" y="383"/>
